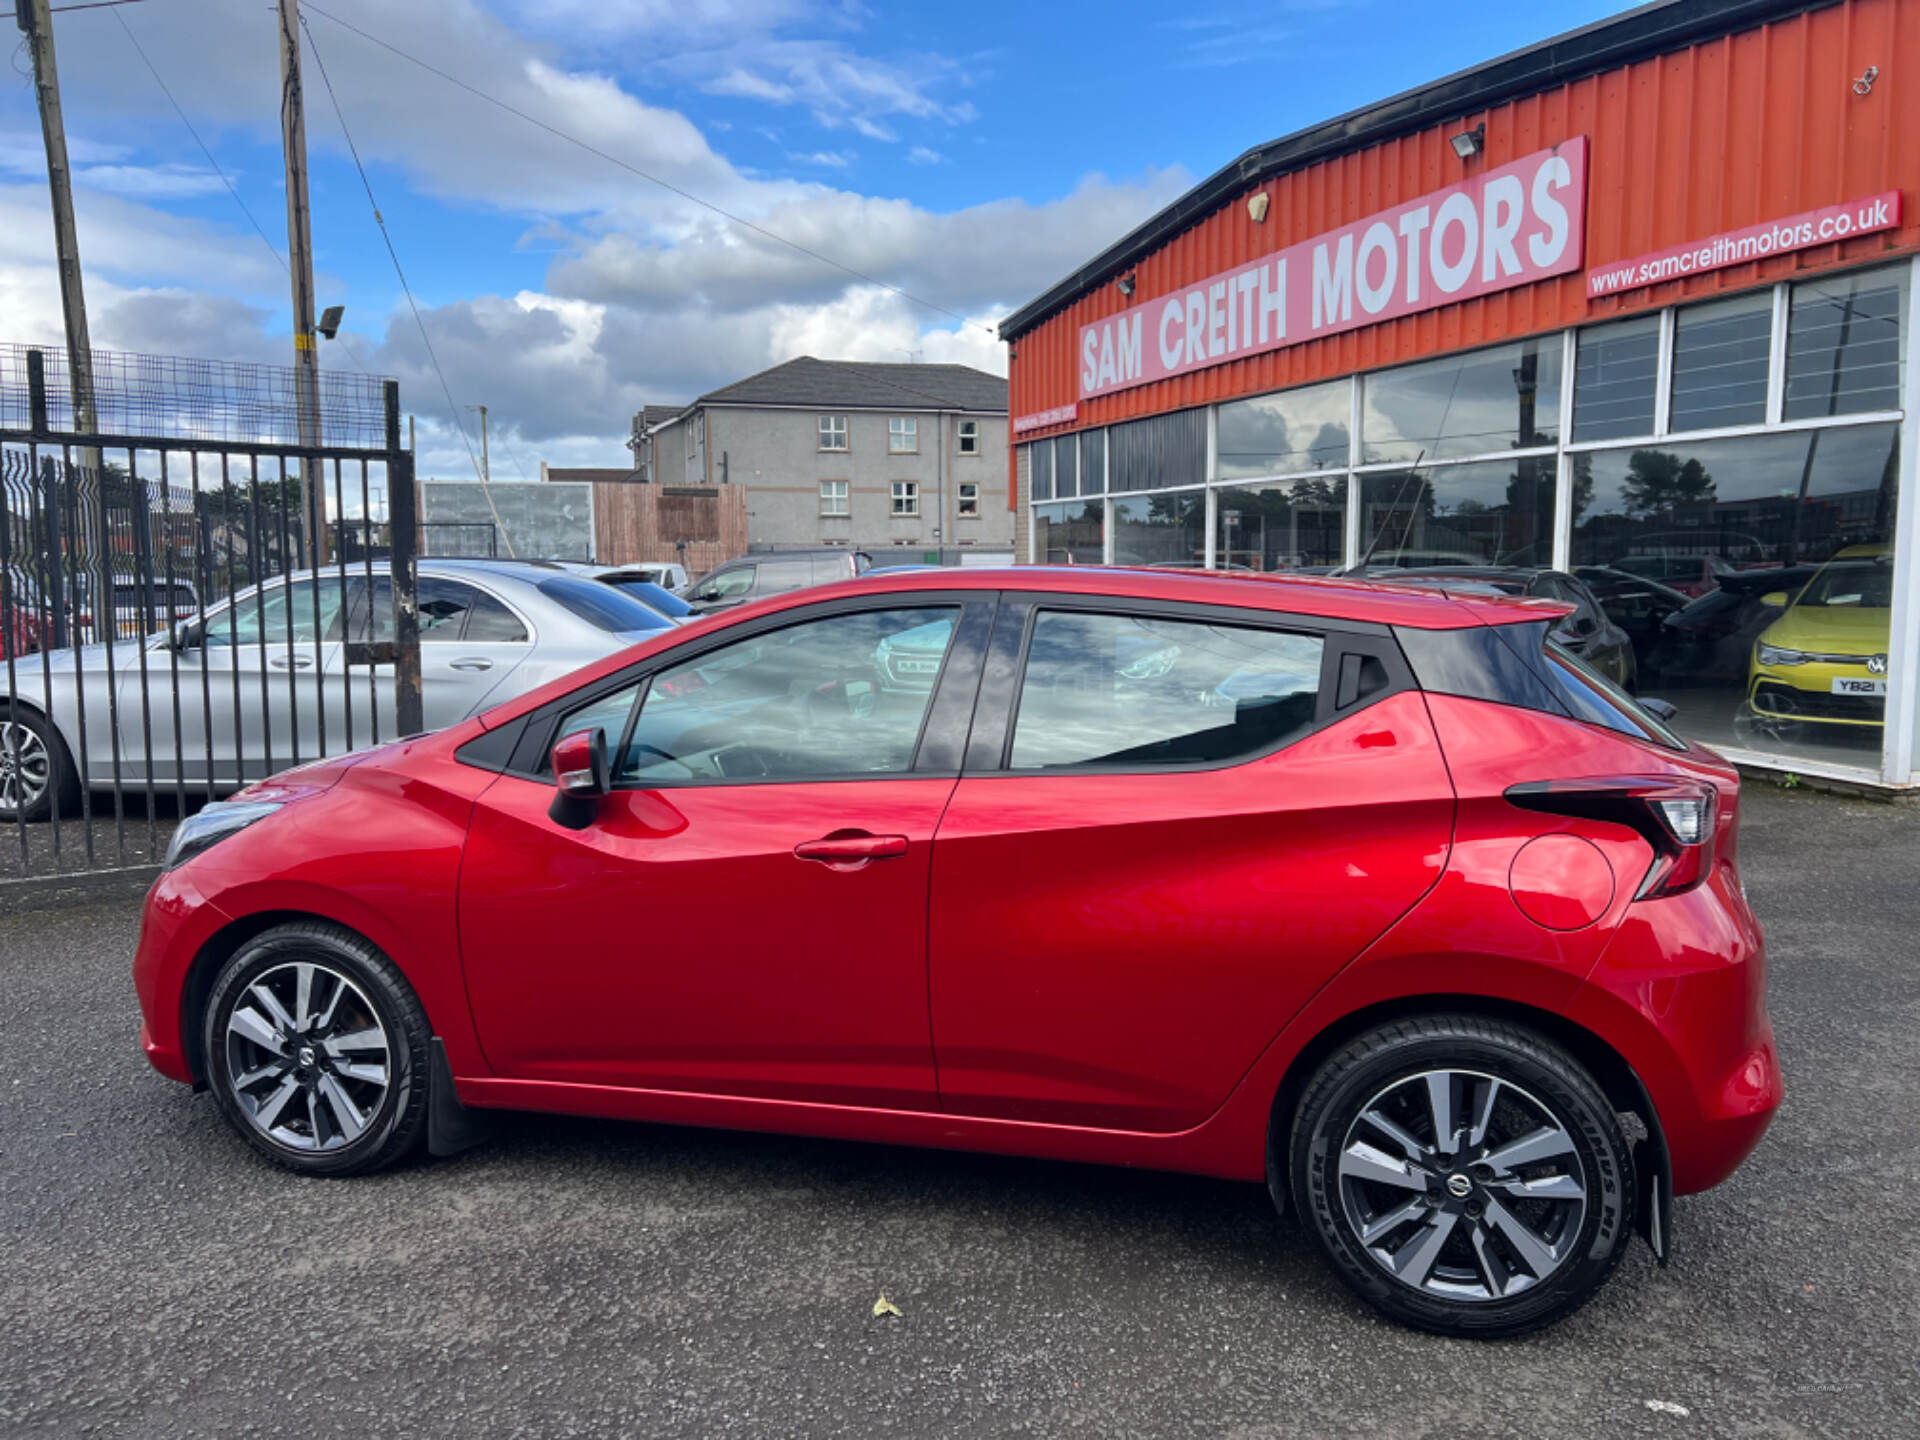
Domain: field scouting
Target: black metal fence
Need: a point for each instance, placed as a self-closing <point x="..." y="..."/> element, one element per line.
<point x="192" y="597"/>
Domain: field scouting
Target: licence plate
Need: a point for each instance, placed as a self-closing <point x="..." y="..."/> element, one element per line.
<point x="1847" y="686"/>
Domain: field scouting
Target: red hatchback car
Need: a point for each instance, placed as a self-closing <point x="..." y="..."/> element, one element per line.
<point x="1367" y="892"/>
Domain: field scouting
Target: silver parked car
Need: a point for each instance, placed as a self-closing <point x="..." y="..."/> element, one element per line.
<point x="290" y="670"/>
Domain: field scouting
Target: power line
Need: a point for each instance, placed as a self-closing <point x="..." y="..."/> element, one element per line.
<point x="258" y="229"/>
<point x="392" y="254"/>
<point x="611" y="159"/>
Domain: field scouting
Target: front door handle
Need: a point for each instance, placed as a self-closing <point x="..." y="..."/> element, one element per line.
<point x="470" y="662"/>
<point x="298" y="662"/>
<point x="851" y="848"/>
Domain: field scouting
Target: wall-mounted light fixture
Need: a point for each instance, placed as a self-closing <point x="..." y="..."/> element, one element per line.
<point x="1469" y="143"/>
<point x="1125" y="282"/>
<point x="1257" y="207"/>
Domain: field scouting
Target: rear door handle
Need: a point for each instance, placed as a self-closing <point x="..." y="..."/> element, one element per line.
<point x="470" y="662"/>
<point x="298" y="662"/>
<point x="852" y="849"/>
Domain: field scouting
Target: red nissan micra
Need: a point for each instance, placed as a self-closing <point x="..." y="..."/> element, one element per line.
<point x="1368" y="892"/>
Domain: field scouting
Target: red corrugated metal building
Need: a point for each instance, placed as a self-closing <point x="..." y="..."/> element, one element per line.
<point x="1631" y="306"/>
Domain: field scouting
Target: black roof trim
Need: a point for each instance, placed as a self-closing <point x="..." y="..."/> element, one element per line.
<point x="1638" y="34"/>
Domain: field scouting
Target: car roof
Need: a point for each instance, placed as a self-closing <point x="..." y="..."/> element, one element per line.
<point x="1325" y="597"/>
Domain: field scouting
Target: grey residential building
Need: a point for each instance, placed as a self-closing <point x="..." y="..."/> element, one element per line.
<point x="898" y="460"/>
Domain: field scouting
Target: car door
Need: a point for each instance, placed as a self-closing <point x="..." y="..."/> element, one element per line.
<point x="1174" y="826"/>
<point x="746" y="914"/>
<point x="470" y="642"/>
<point x="258" y="690"/>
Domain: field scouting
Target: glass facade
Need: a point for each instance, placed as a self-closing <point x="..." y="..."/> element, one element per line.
<point x="1738" y="532"/>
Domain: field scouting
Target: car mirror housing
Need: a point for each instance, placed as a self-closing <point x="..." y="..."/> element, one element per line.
<point x="1658" y="708"/>
<point x="581" y="775"/>
<point x="189" y="635"/>
<point x="1776" y="598"/>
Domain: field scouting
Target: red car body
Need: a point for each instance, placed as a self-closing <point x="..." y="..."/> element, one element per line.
<point x="1120" y="968"/>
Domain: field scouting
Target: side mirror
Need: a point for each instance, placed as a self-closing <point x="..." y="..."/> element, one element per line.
<point x="1778" y="599"/>
<point x="1658" y="708"/>
<point x="581" y="776"/>
<point x="188" y="635"/>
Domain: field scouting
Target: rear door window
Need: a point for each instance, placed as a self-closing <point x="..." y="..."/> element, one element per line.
<point x="1140" y="691"/>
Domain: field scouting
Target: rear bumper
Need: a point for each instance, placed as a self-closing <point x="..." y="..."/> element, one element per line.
<point x="175" y="925"/>
<point x="1681" y="994"/>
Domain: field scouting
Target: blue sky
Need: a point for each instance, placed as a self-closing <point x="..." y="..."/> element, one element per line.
<point x="967" y="154"/>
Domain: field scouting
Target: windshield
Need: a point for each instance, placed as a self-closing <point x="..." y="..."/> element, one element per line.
<point x="652" y="596"/>
<point x="1860" y="584"/>
<point x="602" y="606"/>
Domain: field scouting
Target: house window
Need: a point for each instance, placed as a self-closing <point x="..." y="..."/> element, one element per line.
<point x="906" y="497"/>
<point x="903" y="435"/>
<point x="833" y="432"/>
<point x="969" y="500"/>
<point x="833" y="497"/>
<point x="966" y="437"/>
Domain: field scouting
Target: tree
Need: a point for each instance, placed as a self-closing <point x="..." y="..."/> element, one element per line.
<point x="1659" y="481"/>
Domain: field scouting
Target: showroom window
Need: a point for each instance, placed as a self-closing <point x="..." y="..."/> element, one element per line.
<point x="1721" y="352"/>
<point x="1290" y="525"/>
<point x="858" y="712"/>
<point x="1158" y="452"/>
<point x="1503" y="398"/>
<point x="1844" y="344"/>
<point x="1039" y="458"/>
<point x="967" y="504"/>
<point x="1491" y="512"/>
<point x="1093" y="462"/>
<point x="1070" y="533"/>
<point x="1066" y="466"/>
<point x="1285" y="434"/>
<point x="1140" y="692"/>
<point x="1615" y="379"/>
<point x="1168" y="529"/>
<point x="903" y="435"/>
<point x="906" y="498"/>
<point x="833" y="432"/>
<point x="833" y="497"/>
<point x="966" y="437"/>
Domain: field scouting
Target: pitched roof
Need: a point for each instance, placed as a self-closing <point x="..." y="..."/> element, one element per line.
<point x="860" y="384"/>
<point x="652" y="415"/>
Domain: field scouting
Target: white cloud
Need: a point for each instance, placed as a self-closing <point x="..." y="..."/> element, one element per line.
<point x="921" y="155"/>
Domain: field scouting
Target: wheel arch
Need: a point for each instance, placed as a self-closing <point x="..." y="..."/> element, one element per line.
<point x="1617" y="1079"/>
<point x="221" y="947"/>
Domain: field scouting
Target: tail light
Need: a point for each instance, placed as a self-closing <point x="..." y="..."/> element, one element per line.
<point x="1678" y="818"/>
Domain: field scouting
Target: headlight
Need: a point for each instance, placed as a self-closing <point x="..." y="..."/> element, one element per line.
<point x="213" y="824"/>
<point x="1774" y="655"/>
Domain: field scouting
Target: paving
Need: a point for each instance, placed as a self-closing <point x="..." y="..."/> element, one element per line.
<point x="584" y="1278"/>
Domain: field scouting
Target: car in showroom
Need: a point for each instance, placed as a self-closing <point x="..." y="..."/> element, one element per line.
<point x="292" y="669"/>
<point x="1370" y="893"/>
<point x="1822" y="666"/>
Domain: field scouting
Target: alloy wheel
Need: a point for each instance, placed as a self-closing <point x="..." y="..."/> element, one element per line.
<point x="1462" y="1185"/>
<point x="307" y="1056"/>
<point x="25" y="766"/>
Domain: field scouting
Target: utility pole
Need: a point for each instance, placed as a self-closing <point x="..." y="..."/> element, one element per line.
<point x="306" y="355"/>
<point x="486" y="465"/>
<point x="36" y="19"/>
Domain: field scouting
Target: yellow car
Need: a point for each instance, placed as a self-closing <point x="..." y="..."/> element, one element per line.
<point x="1824" y="662"/>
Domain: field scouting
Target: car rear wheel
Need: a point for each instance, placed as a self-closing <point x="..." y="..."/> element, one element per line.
<point x="1462" y="1175"/>
<point x="36" y="773"/>
<point x="316" y="1050"/>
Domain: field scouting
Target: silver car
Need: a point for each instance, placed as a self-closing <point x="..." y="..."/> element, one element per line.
<point x="291" y="670"/>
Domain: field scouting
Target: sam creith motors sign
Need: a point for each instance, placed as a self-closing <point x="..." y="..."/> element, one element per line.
<point x="1522" y="222"/>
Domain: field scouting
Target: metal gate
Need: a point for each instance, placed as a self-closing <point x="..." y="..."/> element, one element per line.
<point x="191" y="599"/>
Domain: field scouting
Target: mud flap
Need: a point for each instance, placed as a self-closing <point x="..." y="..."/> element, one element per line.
<point x="1653" y="1178"/>
<point x="451" y="1126"/>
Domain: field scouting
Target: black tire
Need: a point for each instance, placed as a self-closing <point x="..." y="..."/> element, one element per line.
<point x="63" y="787"/>
<point x="393" y="1127"/>
<point x="1387" y="1067"/>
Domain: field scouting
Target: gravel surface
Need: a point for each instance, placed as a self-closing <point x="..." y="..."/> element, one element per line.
<point x="576" y="1278"/>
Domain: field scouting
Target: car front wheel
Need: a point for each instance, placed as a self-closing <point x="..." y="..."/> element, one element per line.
<point x="316" y="1050"/>
<point x="1462" y="1175"/>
